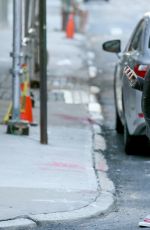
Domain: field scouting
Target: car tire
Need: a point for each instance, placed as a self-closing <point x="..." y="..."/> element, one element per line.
<point x="134" y="144"/>
<point x="129" y="141"/>
<point x="118" y="124"/>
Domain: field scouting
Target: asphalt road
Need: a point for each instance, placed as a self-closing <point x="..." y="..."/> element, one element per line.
<point x="130" y="174"/>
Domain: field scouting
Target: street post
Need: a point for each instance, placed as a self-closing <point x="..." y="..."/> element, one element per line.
<point x="43" y="71"/>
<point x="15" y="125"/>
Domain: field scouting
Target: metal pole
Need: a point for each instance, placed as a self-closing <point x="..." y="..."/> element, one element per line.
<point x="16" y="58"/>
<point x="33" y="13"/>
<point x="26" y="17"/>
<point x="15" y="125"/>
<point x="43" y="72"/>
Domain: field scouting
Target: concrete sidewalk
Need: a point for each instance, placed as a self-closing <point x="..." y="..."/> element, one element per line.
<point x="66" y="179"/>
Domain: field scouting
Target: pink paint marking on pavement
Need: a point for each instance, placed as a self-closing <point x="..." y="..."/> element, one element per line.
<point x="102" y="167"/>
<point x="86" y="120"/>
<point x="64" y="165"/>
<point x="147" y="220"/>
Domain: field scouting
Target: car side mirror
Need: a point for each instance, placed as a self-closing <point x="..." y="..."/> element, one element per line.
<point x="113" y="46"/>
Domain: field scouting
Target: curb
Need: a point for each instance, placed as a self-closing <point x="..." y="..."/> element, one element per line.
<point x="99" y="207"/>
<point x="92" y="69"/>
<point x="103" y="203"/>
<point x="18" y="223"/>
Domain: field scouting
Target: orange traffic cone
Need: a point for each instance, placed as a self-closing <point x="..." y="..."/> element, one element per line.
<point x="26" y="101"/>
<point x="26" y="112"/>
<point x="70" y="28"/>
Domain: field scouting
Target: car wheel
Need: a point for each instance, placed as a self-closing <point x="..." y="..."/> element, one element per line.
<point x="128" y="144"/>
<point x="134" y="144"/>
<point x="129" y="141"/>
<point x="118" y="124"/>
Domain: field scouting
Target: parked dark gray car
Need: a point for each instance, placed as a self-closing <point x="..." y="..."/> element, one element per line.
<point x="129" y="116"/>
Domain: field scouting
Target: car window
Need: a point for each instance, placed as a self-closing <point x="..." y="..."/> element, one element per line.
<point x="136" y="39"/>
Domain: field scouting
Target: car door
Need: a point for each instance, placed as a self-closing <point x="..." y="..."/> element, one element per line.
<point x="132" y="58"/>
